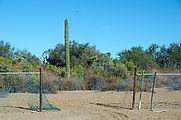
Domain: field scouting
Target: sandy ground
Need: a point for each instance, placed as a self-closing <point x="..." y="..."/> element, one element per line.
<point x="93" y="105"/>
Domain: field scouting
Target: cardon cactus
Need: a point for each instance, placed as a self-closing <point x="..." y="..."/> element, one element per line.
<point x="67" y="52"/>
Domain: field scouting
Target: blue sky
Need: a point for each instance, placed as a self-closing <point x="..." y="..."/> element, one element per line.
<point x="110" y="25"/>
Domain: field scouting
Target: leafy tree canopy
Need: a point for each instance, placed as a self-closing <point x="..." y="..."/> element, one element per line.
<point x="154" y="56"/>
<point x="139" y="57"/>
<point x="6" y="51"/>
<point x="79" y="54"/>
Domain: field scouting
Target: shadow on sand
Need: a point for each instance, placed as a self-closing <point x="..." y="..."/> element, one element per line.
<point x="112" y="105"/>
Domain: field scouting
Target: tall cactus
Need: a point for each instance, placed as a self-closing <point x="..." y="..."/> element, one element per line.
<point x="67" y="53"/>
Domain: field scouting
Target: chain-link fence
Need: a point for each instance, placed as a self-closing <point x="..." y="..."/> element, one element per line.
<point x="158" y="91"/>
<point x="21" y="91"/>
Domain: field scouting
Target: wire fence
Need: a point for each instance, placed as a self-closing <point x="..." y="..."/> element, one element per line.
<point x="19" y="73"/>
<point x="23" y="90"/>
<point x="153" y="89"/>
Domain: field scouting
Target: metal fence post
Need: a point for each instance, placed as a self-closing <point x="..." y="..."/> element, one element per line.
<point x="139" y="106"/>
<point x="40" y="89"/>
<point x="134" y="87"/>
<point x="154" y="81"/>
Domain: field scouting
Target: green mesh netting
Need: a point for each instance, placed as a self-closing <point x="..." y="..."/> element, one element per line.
<point x="45" y="105"/>
<point x="22" y="91"/>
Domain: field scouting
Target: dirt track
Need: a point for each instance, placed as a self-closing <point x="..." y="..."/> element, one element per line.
<point x="92" y="105"/>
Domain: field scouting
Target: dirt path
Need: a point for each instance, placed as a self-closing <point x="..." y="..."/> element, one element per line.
<point x="92" y="105"/>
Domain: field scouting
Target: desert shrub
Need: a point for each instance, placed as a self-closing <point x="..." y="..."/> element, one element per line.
<point x="171" y="82"/>
<point x="14" y="83"/>
<point x="94" y="81"/>
<point x="1" y="84"/>
<point x="71" y="84"/>
<point x="50" y="87"/>
<point x="109" y="87"/>
<point x="97" y="83"/>
<point x="147" y="84"/>
<point x="31" y="84"/>
<point x="50" y="79"/>
<point x="116" y="84"/>
<point x="120" y="71"/>
<point x="129" y="65"/>
<point x="175" y="85"/>
<point x="122" y="84"/>
<point x="145" y="88"/>
<point x="78" y="71"/>
<point x="3" y="64"/>
<point x="21" y="84"/>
